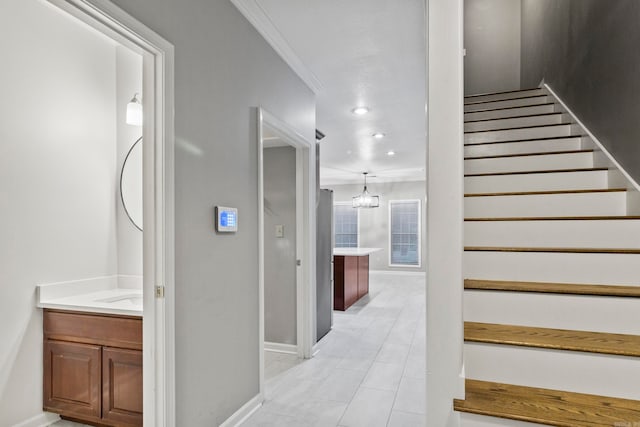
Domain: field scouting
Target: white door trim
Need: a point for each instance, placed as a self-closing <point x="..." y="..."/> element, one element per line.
<point x="158" y="205"/>
<point x="305" y="235"/>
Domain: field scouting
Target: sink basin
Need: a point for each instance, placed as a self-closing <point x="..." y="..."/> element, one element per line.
<point x="135" y="299"/>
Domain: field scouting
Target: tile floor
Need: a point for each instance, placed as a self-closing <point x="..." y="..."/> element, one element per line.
<point x="369" y="370"/>
<point x="63" y="423"/>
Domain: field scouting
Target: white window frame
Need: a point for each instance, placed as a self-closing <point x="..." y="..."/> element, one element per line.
<point x="334" y="218"/>
<point x="419" y="203"/>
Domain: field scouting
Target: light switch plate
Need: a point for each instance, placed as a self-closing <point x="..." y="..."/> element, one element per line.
<point x="279" y="231"/>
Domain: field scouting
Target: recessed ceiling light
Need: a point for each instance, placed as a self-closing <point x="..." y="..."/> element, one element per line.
<point x="378" y="135"/>
<point x="391" y="153"/>
<point x="360" y="110"/>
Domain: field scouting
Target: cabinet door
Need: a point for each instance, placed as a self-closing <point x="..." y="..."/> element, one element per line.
<point x="122" y="386"/>
<point x="72" y="378"/>
<point x="363" y="275"/>
<point x="350" y="280"/>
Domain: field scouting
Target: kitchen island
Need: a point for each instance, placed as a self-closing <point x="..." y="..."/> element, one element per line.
<point x="350" y="275"/>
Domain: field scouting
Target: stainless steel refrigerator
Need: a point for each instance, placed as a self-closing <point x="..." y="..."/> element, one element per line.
<point x="324" y="269"/>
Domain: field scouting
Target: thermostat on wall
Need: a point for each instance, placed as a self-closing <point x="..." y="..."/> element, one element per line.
<point x="226" y="219"/>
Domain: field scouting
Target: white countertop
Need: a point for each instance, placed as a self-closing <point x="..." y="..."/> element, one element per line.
<point x="96" y="295"/>
<point x="354" y="251"/>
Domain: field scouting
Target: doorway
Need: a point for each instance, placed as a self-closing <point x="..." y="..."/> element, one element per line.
<point x="158" y="196"/>
<point x="286" y="250"/>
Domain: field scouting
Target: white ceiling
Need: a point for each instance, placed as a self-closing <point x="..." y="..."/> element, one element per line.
<point x="362" y="52"/>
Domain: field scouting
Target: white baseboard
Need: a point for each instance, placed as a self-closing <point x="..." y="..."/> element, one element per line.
<point x="633" y="183"/>
<point x="41" y="420"/>
<point x="281" y="348"/>
<point x="243" y="414"/>
<point x="399" y="273"/>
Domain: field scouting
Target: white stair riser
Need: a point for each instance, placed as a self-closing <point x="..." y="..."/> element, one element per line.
<point x="605" y="269"/>
<point x="524" y="147"/>
<point x="535" y="100"/>
<point x="552" y="119"/>
<point x="558" y="234"/>
<point x="473" y="420"/>
<point x="529" y="163"/>
<point x="518" y="134"/>
<point x="575" y="204"/>
<point x="503" y="96"/>
<point x="536" y="182"/>
<point x="613" y="376"/>
<point x="510" y="112"/>
<point x="572" y="312"/>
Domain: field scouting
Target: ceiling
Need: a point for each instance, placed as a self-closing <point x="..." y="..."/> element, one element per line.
<point x="360" y="52"/>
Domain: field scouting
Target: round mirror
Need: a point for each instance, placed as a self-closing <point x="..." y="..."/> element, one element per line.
<point x="131" y="184"/>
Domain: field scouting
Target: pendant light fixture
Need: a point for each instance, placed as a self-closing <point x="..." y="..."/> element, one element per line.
<point x="365" y="199"/>
<point x="134" y="111"/>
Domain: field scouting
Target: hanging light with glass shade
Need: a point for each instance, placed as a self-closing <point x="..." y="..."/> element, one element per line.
<point x="365" y="199"/>
<point x="134" y="111"/>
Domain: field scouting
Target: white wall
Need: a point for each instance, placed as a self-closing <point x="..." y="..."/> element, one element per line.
<point x="374" y="223"/>
<point x="128" y="82"/>
<point x="57" y="179"/>
<point x="492" y="41"/>
<point x="280" y="252"/>
<point x="444" y="212"/>
<point x="224" y="69"/>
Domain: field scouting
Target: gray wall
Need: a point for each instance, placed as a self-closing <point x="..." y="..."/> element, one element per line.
<point x="587" y="51"/>
<point x="224" y="69"/>
<point x="57" y="179"/>
<point x="492" y="41"/>
<point x="280" y="252"/>
<point x="374" y="223"/>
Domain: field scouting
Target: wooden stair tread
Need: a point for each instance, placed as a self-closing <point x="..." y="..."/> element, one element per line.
<point x="539" y="193"/>
<point x="546" y="153"/>
<point x="470" y="144"/>
<point x="508" y="108"/>
<point x="553" y="288"/>
<point x="544" y="406"/>
<point x="557" y="339"/>
<point x="518" y="127"/>
<point x="509" y="99"/>
<point x="475" y="95"/>
<point x="558" y="218"/>
<point x="536" y="172"/>
<point x="514" y="117"/>
<point x="560" y="250"/>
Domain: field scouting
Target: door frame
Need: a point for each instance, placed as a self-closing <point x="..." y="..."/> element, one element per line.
<point x="158" y="198"/>
<point x="305" y="236"/>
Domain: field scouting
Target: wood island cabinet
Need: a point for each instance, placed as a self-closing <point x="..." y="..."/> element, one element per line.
<point x="93" y="367"/>
<point x="350" y="281"/>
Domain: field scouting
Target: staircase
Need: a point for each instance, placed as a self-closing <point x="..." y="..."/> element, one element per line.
<point x="552" y="268"/>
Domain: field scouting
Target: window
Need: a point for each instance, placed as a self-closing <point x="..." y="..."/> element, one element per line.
<point x="404" y="233"/>
<point x="345" y="225"/>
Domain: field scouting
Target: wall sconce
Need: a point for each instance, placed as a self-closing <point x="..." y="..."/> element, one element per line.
<point x="134" y="111"/>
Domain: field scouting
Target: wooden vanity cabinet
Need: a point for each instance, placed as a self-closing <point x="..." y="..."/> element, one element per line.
<point x="93" y="367"/>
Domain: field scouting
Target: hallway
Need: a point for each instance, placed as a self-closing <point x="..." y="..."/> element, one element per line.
<point x="369" y="370"/>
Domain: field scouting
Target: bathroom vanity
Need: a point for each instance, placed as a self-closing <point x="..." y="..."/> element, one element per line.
<point x="93" y="367"/>
<point x="93" y="353"/>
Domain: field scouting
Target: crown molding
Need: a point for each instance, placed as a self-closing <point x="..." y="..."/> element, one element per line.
<point x="258" y="17"/>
